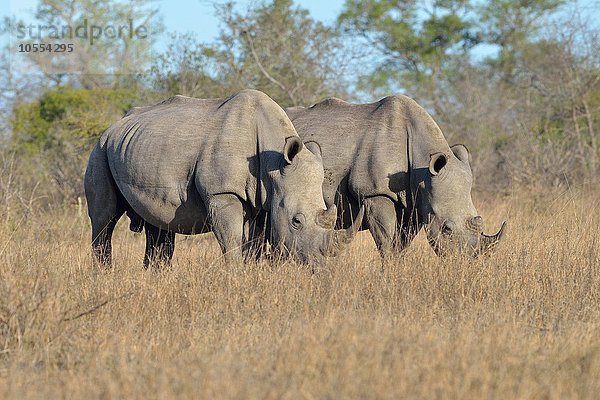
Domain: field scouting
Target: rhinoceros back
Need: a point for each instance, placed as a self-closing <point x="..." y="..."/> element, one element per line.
<point x="168" y="158"/>
<point x="364" y="149"/>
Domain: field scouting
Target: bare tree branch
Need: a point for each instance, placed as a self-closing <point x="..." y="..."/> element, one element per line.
<point x="264" y="71"/>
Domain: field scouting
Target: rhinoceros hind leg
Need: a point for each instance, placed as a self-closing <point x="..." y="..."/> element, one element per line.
<point x="104" y="206"/>
<point x="160" y="245"/>
<point x="102" y="241"/>
<point x="226" y="215"/>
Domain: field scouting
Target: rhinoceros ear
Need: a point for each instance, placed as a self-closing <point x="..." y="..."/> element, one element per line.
<point x="437" y="163"/>
<point x="314" y="148"/>
<point x="292" y="147"/>
<point x="462" y="153"/>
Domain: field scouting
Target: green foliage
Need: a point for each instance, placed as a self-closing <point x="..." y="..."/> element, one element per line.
<point x="531" y="107"/>
<point x="52" y="137"/>
<point x="416" y="42"/>
<point x="513" y="21"/>
<point x="512" y="24"/>
<point x="187" y="68"/>
<point x="278" y="48"/>
<point x="65" y="113"/>
<point x="275" y="47"/>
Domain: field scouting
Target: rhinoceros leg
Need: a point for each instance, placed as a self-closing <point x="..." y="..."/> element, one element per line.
<point x="226" y="214"/>
<point x="255" y="235"/>
<point x="160" y="245"/>
<point x="407" y="229"/>
<point x="102" y="240"/>
<point x="381" y="218"/>
<point x="104" y="206"/>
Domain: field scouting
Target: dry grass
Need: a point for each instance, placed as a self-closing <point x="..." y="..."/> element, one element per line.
<point x="524" y="323"/>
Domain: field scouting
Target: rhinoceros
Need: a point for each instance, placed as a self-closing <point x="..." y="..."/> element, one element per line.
<point x="392" y="157"/>
<point x="191" y="166"/>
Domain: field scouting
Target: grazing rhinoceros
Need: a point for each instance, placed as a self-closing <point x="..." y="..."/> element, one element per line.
<point x="392" y="157"/>
<point x="191" y="166"/>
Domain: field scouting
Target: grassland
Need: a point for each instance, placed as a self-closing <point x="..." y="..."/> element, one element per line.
<point x="523" y="323"/>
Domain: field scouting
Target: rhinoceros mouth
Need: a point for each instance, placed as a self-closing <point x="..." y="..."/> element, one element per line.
<point x="485" y="244"/>
<point x="338" y="240"/>
<point x="334" y="242"/>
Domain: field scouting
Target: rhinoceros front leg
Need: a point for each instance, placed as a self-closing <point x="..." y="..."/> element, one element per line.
<point x="160" y="245"/>
<point x="381" y="218"/>
<point x="226" y="214"/>
<point x="256" y="231"/>
<point x="408" y="228"/>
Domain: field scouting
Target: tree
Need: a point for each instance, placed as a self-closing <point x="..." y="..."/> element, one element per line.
<point x="511" y="24"/>
<point x="188" y="68"/>
<point x="561" y="74"/>
<point x="415" y="42"/>
<point x="64" y="114"/>
<point x="111" y="40"/>
<point x="278" y="48"/>
<point x="15" y="85"/>
<point x="53" y="134"/>
<point x="534" y="109"/>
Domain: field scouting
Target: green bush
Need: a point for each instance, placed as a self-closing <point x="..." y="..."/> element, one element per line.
<point x="64" y="114"/>
<point x="53" y="136"/>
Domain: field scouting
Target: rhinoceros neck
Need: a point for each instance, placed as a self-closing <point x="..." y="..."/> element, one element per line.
<point x="273" y="127"/>
<point x="425" y="138"/>
<point x="372" y="141"/>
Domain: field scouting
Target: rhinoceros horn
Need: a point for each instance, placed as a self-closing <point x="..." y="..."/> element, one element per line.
<point x="341" y="238"/>
<point x="487" y="243"/>
<point x="326" y="218"/>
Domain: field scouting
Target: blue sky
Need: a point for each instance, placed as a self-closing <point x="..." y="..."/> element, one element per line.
<point x="197" y="15"/>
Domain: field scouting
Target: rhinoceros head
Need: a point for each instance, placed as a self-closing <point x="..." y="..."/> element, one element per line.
<point x="301" y="225"/>
<point x="454" y="224"/>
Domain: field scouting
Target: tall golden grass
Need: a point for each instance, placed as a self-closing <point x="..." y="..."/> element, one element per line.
<point x="522" y="323"/>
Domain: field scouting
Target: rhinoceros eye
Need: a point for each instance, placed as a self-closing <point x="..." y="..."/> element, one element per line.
<point x="446" y="229"/>
<point x="298" y="221"/>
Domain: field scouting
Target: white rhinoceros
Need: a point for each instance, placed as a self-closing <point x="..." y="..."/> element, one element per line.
<point x="191" y="166"/>
<point x="392" y="157"/>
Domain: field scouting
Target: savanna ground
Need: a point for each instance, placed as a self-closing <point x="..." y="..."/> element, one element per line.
<point x="522" y="323"/>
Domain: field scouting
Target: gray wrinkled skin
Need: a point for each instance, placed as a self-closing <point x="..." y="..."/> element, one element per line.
<point x="190" y="166"/>
<point x="393" y="158"/>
